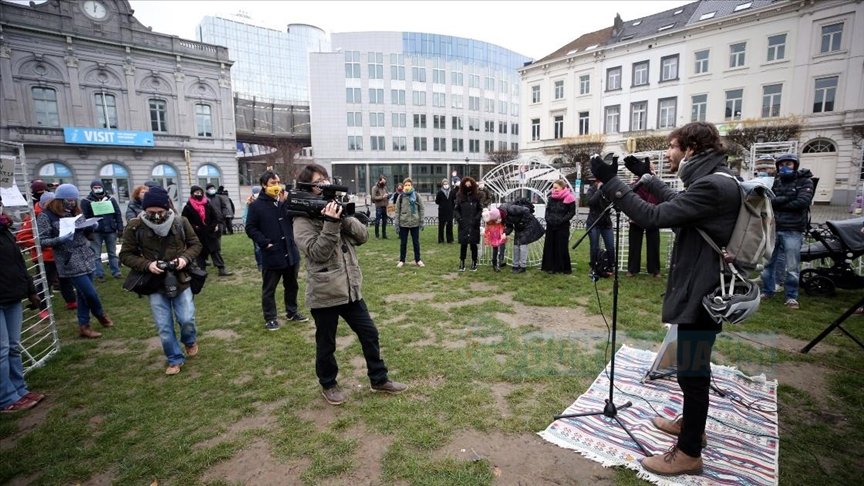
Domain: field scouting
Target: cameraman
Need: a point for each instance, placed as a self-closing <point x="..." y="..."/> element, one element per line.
<point x="162" y="243"/>
<point x="333" y="283"/>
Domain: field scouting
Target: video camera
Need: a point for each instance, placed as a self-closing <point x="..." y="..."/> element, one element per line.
<point x="308" y="204"/>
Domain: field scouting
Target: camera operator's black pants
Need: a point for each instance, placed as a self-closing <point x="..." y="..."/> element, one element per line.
<point x="694" y="378"/>
<point x="288" y="276"/>
<point x="356" y="314"/>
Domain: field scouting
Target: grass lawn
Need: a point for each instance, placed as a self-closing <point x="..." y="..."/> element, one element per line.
<point x="489" y="358"/>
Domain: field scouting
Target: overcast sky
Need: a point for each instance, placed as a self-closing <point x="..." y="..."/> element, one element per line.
<point x="532" y="28"/>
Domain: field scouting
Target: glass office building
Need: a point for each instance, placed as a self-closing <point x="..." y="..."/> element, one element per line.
<point x="412" y="104"/>
<point x="268" y="63"/>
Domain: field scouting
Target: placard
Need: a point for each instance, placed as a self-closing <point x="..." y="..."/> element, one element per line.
<point x="102" y="207"/>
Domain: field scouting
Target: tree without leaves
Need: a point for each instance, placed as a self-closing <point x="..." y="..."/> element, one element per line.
<point x="651" y="143"/>
<point x="502" y="156"/>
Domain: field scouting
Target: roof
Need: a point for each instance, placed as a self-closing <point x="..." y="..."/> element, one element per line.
<point x="596" y="38"/>
<point x="672" y="19"/>
<point x="715" y="9"/>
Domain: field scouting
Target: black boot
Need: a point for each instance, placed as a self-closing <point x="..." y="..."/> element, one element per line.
<point x="224" y="273"/>
<point x="474" y="266"/>
<point x="496" y="267"/>
<point x="462" y="265"/>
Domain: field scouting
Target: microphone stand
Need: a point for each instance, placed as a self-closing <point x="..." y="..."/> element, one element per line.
<point x="610" y="409"/>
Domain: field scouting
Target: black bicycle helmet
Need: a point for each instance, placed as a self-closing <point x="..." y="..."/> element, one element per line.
<point x="733" y="307"/>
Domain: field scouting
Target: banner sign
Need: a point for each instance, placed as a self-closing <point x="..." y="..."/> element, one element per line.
<point x="104" y="136"/>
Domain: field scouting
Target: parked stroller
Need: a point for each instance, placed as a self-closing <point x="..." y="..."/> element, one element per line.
<point x="842" y="242"/>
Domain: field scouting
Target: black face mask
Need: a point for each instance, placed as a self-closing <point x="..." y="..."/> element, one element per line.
<point x="197" y="197"/>
<point x="70" y="205"/>
<point x="382" y="183"/>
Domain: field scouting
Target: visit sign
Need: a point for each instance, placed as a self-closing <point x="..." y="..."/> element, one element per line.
<point x="105" y="136"/>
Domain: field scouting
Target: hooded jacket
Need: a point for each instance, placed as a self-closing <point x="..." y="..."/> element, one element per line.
<point x="792" y="197"/>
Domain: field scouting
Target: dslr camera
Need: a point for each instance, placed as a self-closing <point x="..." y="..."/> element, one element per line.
<point x="170" y="282"/>
<point x="306" y="203"/>
<point x="166" y="266"/>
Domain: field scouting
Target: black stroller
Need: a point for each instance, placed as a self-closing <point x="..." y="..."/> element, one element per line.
<point x="842" y="242"/>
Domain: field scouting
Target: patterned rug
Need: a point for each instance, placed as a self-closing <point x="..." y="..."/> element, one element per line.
<point x="742" y="448"/>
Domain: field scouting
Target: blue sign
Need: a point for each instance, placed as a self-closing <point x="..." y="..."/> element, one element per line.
<point x="105" y="136"/>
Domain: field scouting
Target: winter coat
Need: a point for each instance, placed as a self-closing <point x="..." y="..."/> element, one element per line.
<point x="519" y="218"/>
<point x="268" y="223"/>
<point x="110" y="223"/>
<point x="379" y="196"/>
<point x="15" y="281"/>
<point x="333" y="275"/>
<point x="133" y="210"/>
<point x="405" y="217"/>
<point x="223" y="205"/>
<point x="710" y="202"/>
<point x="559" y="213"/>
<point x="25" y="237"/>
<point x="74" y="257"/>
<point x="484" y="197"/>
<point x="596" y="204"/>
<point x="445" y="203"/>
<point x="493" y="235"/>
<point x="792" y="200"/>
<point x="141" y="246"/>
<point x="207" y="230"/>
<point x="468" y="213"/>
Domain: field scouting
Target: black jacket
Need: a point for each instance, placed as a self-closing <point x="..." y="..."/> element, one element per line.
<point x="445" y="204"/>
<point x="207" y="230"/>
<point x="711" y="202"/>
<point x="791" y="201"/>
<point x="15" y="282"/>
<point x="267" y="223"/>
<point x="519" y="218"/>
<point x="110" y="223"/>
<point x="559" y="214"/>
<point x="596" y="204"/>
<point x="468" y="213"/>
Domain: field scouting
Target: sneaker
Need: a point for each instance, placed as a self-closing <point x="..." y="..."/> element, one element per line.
<point x="400" y="264"/>
<point x="765" y="296"/>
<point x="391" y="387"/>
<point x="334" y="395"/>
<point x="192" y="351"/>
<point x="71" y="305"/>
<point x="22" y="404"/>
<point x="34" y="396"/>
<point x="297" y="317"/>
<point x="100" y="279"/>
<point x="420" y="263"/>
<point x="118" y="276"/>
<point x="792" y="304"/>
<point x="44" y="314"/>
<point x="172" y="370"/>
<point x="272" y="325"/>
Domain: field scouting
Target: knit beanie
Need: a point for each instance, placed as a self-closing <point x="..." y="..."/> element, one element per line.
<point x="194" y="189"/>
<point x="38" y="186"/>
<point x="95" y="182"/>
<point x="66" y="191"/>
<point x="763" y="163"/>
<point x="156" y="197"/>
<point x="46" y="198"/>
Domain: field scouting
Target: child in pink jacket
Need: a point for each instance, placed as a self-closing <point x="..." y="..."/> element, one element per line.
<point x="494" y="236"/>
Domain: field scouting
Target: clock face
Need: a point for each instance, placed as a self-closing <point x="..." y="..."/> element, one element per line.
<point x="95" y="10"/>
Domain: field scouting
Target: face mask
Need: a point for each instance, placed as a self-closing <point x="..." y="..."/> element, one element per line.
<point x="784" y="170"/>
<point x="454" y="174"/>
<point x="69" y="205"/>
<point x="197" y="197"/>
<point x="273" y="191"/>
<point x="408" y="188"/>
<point x="5" y="221"/>
<point x="762" y="174"/>
<point x="446" y="186"/>
<point x="211" y="192"/>
<point x="157" y="218"/>
<point x="382" y="183"/>
<point x="98" y="191"/>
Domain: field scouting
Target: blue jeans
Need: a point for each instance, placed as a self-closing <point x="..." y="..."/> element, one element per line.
<point x="184" y="310"/>
<point x="608" y="240"/>
<point x="381" y="218"/>
<point x="88" y="299"/>
<point x="403" y="242"/>
<point x="110" y="240"/>
<point x="788" y="245"/>
<point x="12" y="386"/>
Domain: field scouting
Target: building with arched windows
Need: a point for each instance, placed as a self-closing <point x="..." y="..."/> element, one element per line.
<point x="94" y="94"/>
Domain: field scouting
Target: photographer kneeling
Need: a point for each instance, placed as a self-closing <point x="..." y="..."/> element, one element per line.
<point x="163" y="243"/>
<point x="328" y="241"/>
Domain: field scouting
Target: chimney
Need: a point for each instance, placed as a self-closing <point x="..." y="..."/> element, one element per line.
<point x="617" y="26"/>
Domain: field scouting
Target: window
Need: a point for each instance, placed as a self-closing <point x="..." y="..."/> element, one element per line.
<point x="106" y="110"/>
<point x="474" y="146"/>
<point x="823" y="99"/>
<point x="583" y="123"/>
<point x="439" y="100"/>
<point x="640" y="74"/>
<point x="585" y="84"/>
<point x="736" y="54"/>
<point x="419" y="121"/>
<point x="376" y="142"/>
<point x="439" y="122"/>
<point x="613" y="78"/>
<point x="473" y="124"/>
<point x="514" y="128"/>
<point x="771" y="100"/>
<point x="489" y="126"/>
<point x="776" y="47"/>
<point x="419" y="98"/>
<point x="832" y="35"/>
<point x="502" y="107"/>
<point x="203" y="120"/>
<point x="419" y="144"/>
<point x="115" y="180"/>
<point x="456" y="101"/>
<point x="638" y="116"/>
<point x="352" y="64"/>
<point x="503" y="87"/>
<point x="397" y="68"/>
<point x="558" y="126"/>
<point x="559" y="89"/>
<point x="667" y="112"/>
<point x="474" y="103"/>
<point x="398" y="120"/>
<point x="376" y="67"/>
<point x="489" y="84"/>
<point x="376" y="96"/>
<point x="158" y="115"/>
<point x="502" y="146"/>
<point x="397" y="96"/>
<point x="439" y="144"/>
<point x="489" y="146"/>
<point x="456" y="78"/>
<point x="352" y="95"/>
<point x="700" y="106"/>
<point x="819" y="146"/>
<point x="535" y="94"/>
<point x="669" y="68"/>
<point x="376" y="119"/>
<point x="613" y="118"/>
<point x="400" y="144"/>
<point x="709" y="15"/>
<point x="355" y="119"/>
<point x="457" y="145"/>
<point x="439" y="76"/>
<point x="742" y="6"/>
<point x="45" y="107"/>
<point x="488" y="105"/>
<point x="733" y="104"/>
<point x="502" y="127"/>
<point x="701" y="65"/>
<point x="514" y="146"/>
<point x="355" y="142"/>
<point x="535" y="129"/>
<point x="418" y="74"/>
<point x="164" y="175"/>
<point x="456" y="123"/>
<point x="473" y="80"/>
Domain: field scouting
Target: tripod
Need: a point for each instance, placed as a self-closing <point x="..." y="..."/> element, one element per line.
<point x="610" y="409"/>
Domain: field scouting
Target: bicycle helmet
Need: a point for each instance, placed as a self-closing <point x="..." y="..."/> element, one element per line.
<point x="735" y="306"/>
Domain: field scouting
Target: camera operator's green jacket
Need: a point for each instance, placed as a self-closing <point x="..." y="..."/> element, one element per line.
<point x="141" y="247"/>
<point x="333" y="274"/>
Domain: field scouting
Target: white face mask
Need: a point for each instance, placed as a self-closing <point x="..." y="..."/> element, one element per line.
<point x="446" y="186"/>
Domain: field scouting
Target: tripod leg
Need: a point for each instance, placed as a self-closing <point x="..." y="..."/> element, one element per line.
<point x="647" y="454"/>
<point x="835" y="325"/>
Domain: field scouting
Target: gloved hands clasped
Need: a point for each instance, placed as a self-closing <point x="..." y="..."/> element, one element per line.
<point x="602" y="170"/>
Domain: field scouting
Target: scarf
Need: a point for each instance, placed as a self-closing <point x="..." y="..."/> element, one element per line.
<point x="446" y="192"/>
<point x="563" y="194"/>
<point x="699" y="166"/>
<point x="200" y="207"/>
<point x="160" y="229"/>
<point x="412" y="198"/>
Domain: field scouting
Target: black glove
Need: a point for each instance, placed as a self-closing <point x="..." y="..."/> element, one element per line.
<point x="602" y="171"/>
<point x="636" y="166"/>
